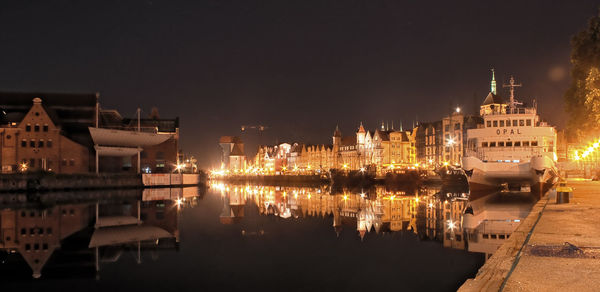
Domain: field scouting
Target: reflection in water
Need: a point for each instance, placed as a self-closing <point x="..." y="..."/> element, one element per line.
<point x="447" y="216"/>
<point x="35" y="228"/>
<point x="98" y="235"/>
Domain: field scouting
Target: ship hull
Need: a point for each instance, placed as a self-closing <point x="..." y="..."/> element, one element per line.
<point x="537" y="173"/>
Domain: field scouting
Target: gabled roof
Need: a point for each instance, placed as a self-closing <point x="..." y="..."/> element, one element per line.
<point x="492" y="98"/>
<point x="383" y="135"/>
<point x="74" y="112"/>
<point x="237" y="150"/>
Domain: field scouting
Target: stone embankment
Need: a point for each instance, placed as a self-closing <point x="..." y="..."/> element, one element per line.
<point x="41" y="182"/>
<point x="556" y="248"/>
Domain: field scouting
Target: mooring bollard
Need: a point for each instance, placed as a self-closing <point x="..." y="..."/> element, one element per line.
<point x="563" y="193"/>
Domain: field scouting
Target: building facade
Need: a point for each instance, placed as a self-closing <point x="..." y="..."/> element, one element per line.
<point x="35" y="140"/>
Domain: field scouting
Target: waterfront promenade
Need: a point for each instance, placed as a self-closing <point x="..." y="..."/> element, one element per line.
<point x="556" y="248"/>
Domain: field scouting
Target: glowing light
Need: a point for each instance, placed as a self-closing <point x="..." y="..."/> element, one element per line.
<point x="445" y="163"/>
<point x="345" y="197"/>
<point x="451" y="225"/>
<point x="24" y="167"/>
<point x="430" y="205"/>
<point x="362" y="169"/>
<point x="308" y="196"/>
<point x="450" y="141"/>
<point x="458" y="109"/>
<point x="283" y="168"/>
<point x="362" y="195"/>
<point x="430" y="161"/>
<point x="345" y="165"/>
<point x="417" y="199"/>
<point x="596" y="145"/>
<point x="416" y="165"/>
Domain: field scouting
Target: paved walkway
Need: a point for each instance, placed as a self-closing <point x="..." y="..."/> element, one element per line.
<point x="546" y="262"/>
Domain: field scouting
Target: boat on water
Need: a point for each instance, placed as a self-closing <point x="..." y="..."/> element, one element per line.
<point x="513" y="147"/>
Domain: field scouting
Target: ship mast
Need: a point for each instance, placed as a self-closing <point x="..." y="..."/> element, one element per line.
<point x="512" y="86"/>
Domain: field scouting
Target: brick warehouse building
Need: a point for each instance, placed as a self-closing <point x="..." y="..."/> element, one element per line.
<point x="50" y="132"/>
<point x="46" y="132"/>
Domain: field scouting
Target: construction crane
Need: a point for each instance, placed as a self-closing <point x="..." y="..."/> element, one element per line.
<point x="260" y="128"/>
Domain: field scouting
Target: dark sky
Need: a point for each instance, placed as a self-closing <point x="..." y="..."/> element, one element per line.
<point x="298" y="67"/>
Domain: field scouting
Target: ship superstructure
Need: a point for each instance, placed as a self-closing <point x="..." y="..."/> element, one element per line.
<point x="513" y="146"/>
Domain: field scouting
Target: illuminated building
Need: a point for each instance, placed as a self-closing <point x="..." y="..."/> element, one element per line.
<point x="48" y="134"/>
<point x="232" y="155"/>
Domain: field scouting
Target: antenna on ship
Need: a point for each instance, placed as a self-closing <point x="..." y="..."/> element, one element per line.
<point x="512" y="86"/>
<point x="493" y="83"/>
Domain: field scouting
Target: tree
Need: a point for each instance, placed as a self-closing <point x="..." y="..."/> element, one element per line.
<point x="583" y="96"/>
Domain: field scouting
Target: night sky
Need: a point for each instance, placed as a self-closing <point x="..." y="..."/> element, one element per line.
<point x="298" y="67"/>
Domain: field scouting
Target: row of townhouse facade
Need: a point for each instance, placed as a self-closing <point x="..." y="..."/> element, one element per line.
<point x="430" y="144"/>
<point x="377" y="149"/>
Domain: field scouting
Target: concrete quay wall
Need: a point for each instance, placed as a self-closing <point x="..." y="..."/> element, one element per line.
<point x="56" y="182"/>
<point x="556" y="248"/>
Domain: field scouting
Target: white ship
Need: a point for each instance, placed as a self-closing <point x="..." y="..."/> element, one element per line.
<point x="512" y="147"/>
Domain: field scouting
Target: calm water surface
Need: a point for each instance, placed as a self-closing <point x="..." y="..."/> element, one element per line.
<point x="252" y="237"/>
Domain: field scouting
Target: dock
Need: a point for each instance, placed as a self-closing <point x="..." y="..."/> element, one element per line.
<point x="556" y="248"/>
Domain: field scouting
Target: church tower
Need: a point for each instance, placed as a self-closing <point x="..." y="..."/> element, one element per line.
<point x="337" y="142"/>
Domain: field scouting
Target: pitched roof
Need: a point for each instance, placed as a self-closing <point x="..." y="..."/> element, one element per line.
<point x="237" y="150"/>
<point x="348" y="141"/>
<point x="492" y="98"/>
<point x="230" y="139"/>
<point x="74" y="112"/>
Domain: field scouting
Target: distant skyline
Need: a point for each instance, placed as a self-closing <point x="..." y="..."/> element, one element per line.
<point x="298" y="67"/>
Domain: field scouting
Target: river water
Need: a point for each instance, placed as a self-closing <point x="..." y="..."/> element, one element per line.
<point x="250" y="237"/>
